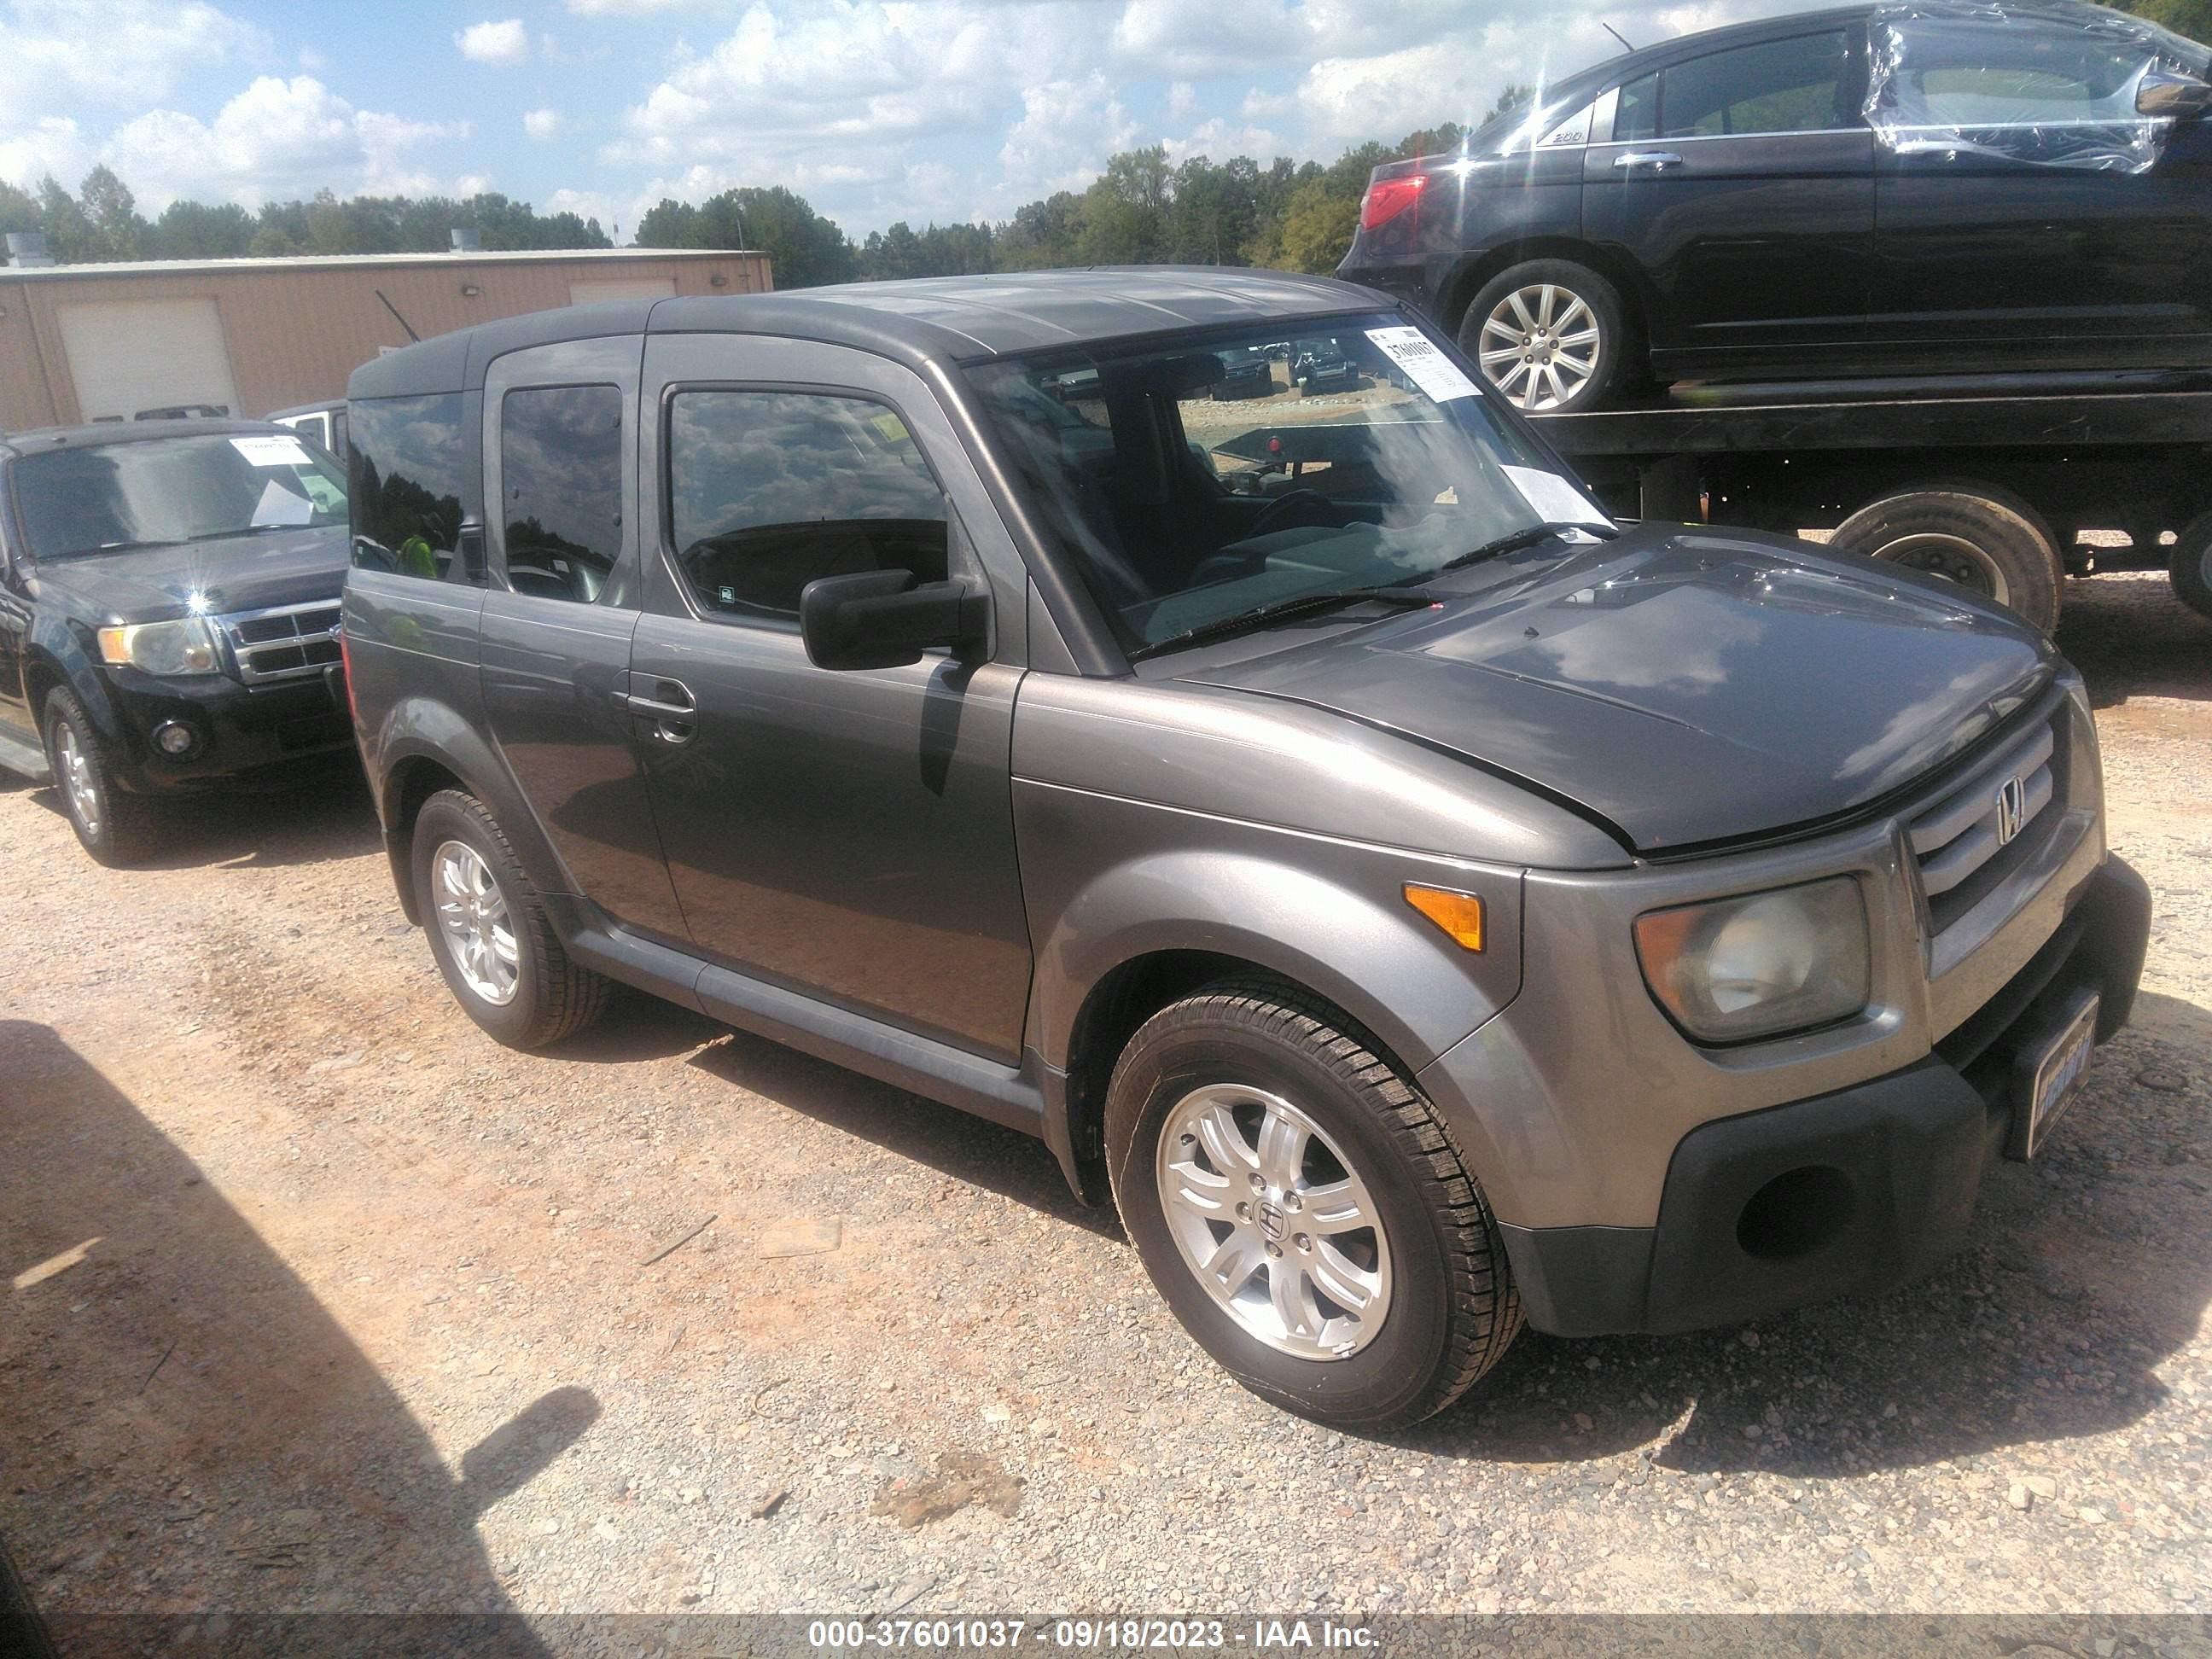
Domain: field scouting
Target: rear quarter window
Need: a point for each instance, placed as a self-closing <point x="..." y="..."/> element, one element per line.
<point x="405" y="469"/>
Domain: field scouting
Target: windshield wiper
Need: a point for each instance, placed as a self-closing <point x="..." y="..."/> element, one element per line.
<point x="1519" y="539"/>
<point x="245" y="530"/>
<point x="1243" y="621"/>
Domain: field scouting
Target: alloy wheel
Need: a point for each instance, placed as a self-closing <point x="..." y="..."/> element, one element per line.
<point x="1274" y="1221"/>
<point x="78" y="777"/>
<point x="1541" y="345"/>
<point x="473" y="917"/>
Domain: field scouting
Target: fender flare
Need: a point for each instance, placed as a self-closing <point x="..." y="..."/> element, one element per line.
<point x="418" y="728"/>
<point x="1384" y="965"/>
<point x="53" y="645"/>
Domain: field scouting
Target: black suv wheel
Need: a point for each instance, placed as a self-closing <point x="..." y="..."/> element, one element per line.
<point x="1553" y="336"/>
<point x="115" y="828"/>
<point x="488" y="931"/>
<point x="1303" y="1211"/>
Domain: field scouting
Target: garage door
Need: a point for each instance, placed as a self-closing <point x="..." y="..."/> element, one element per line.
<point x="621" y="287"/>
<point x="129" y="354"/>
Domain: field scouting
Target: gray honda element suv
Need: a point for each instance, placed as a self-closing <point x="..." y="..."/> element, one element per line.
<point x="1422" y="903"/>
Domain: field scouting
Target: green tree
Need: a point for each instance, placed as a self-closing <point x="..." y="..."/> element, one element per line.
<point x="70" y="235"/>
<point x="193" y="230"/>
<point x="116" y="230"/>
<point x="1516" y="96"/>
<point x="2191" y="17"/>
<point x="1317" y="227"/>
<point x="804" y="250"/>
<point x="19" y="208"/>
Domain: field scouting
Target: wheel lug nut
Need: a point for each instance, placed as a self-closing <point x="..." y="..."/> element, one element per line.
<point x="1275" y="1250"/>
<point x="1302" y="1242"/>
<point x="1292" y="1201"/>
<point x="1245" y="1211"/>
<point x="1258" y="1185"/>
<point x="1190" y="1140"/>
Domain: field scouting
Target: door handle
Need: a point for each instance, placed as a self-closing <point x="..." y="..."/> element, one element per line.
<point x="1654" y="159"/>
<point x="674" y="713"/>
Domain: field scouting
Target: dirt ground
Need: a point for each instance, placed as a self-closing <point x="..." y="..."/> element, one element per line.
<point x="321" y="1301"/>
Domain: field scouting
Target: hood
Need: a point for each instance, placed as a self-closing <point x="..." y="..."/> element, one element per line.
<point x="240" y="573"/>
<point x="1685" y="687"/>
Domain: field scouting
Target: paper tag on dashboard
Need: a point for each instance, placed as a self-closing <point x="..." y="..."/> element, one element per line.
<point x="271" y="451"/>
<point x="1555" y="500"/>
<point x="1427" y="367"/>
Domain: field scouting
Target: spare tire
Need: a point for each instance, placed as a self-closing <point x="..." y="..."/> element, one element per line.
<point x="1983" y="542"/>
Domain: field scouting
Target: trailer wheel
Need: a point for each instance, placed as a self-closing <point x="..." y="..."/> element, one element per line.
<point x="2191" y="566"/>
<point x="1981" y="542"/>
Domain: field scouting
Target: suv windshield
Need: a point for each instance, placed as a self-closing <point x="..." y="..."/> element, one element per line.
<point x="155" y="492"/>
<point x="1186" y="504"/>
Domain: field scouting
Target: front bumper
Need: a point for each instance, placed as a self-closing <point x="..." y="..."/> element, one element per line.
<point x="242" y="734"/>
<point x="1851" y="1191"/>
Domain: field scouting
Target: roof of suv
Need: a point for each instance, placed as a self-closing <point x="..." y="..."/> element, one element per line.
<point x="100" y="434"/>
<point x="944" y="319"/>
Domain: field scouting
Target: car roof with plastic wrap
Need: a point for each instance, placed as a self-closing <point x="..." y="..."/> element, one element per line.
<point x="99" y="434"/>
<point x="932" y="320"/>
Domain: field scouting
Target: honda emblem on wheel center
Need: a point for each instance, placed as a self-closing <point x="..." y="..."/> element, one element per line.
<point x="2012" y="810"/>
<point x="1270" y="1219"/>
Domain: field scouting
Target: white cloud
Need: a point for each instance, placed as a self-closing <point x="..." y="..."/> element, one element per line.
<point x="1183" y="101"/>
<point x="589" y="204"/>
<point x="53" y="145"/>
<point x="58" y="55"/>
<point x="1222" y="37"/>
<point x="625" y="8"/>
<point x="1068" y="130"/>
<point x="542" y="123"/>
<point x="504" y="42"/>
<point x="274" y="140"/>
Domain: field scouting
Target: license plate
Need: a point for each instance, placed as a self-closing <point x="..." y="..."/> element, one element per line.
<point x="2050" y="1075"/>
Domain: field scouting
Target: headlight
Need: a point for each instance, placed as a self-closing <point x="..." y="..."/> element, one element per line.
<point x="186" y="647"/>
<point x="1762" y="965"/>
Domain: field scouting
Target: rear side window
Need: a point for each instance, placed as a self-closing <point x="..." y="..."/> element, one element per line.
<point x="561" y="452"/>
<point x="769" y="490"/>
<point x="406" y="484"/>
<point x="1636" y="119"/>
<point x="1776" y="86"/>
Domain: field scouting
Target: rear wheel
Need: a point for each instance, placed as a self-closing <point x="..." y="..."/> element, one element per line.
<point x="1981" y="541"/>
<point x="1303" y="1211"/>
<point x="117" y="828"/>
<point x="2190" y="568"/>
<point x="488" y="931"/>
<point x="1552" y="334"/>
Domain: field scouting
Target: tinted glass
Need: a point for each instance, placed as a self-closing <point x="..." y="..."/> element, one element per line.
<point x="1637" y="116"/>
<point x="2022" y="74"/>
<point x="561" y="450"/>
<point x="771" y="489"/>
<point x="1369" y="458"/>
<point x="406" y="475"/>
<point x="112" y="498"/>
<point x="1778" y="86"/>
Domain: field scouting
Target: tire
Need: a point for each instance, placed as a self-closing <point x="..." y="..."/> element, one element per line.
<point x="1521" y="364"/>
<point x="547" y="997"/>
<point x="2190" y="568"/>
<point x="1258" y="1051"/>
<point x="1972" y="537"/>
<point x="118" y="829"/>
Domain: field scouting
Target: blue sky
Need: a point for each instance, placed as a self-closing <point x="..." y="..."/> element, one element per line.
<point x="875" y="110"/>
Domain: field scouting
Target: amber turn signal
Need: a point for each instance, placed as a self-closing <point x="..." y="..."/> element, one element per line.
<point x="1460" y="915"/>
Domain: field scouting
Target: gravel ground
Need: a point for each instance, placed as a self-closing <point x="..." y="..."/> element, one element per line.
<point x="328" y="1303"/>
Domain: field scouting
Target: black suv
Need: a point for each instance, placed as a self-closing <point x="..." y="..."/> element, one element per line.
<point x="168" y="614"/>
<point x="1933" y="188"/>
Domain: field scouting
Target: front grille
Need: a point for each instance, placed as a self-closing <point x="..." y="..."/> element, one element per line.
<point x="1978" y="832"/>
<point x="286" y="642"/>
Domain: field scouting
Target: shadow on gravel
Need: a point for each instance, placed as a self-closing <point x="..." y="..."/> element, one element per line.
<point x="325" y="814"/>
<point x="952" y="1142"/>
<point x="638" y="1025"/>
<point x="2084" y="1272"/>
<point x="2130" y="637"/>
<point x="187" y="1430"/>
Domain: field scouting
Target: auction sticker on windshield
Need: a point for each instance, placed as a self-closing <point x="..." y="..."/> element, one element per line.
<point x="1554" y="499"/>
<point x="271" y="451"/>
<point x="1427" y="367"/>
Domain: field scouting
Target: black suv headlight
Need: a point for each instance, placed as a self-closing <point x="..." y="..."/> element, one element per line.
<point x="168" y="649"/>
<point x="1763" y="964"/>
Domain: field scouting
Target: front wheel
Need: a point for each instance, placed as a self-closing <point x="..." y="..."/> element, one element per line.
<point x="1303" y="1211"/>
<point x="1552" y="334"/>
<point x="115" y="828"/>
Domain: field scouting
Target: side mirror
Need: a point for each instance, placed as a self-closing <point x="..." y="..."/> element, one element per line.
<point x="882" y="619"/>
<point x="2163" y="91"/>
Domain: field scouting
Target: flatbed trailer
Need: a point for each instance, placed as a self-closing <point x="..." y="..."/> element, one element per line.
<point x="1990" y="480"/>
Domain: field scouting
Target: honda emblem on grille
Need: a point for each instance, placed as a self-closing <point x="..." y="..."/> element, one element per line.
<point x="2012" y="810"/>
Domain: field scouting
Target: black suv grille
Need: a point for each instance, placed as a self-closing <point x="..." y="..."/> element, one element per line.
<point x="288" y="642"/>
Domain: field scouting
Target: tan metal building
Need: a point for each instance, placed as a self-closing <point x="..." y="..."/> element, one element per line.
<point x="86" y="342"/>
